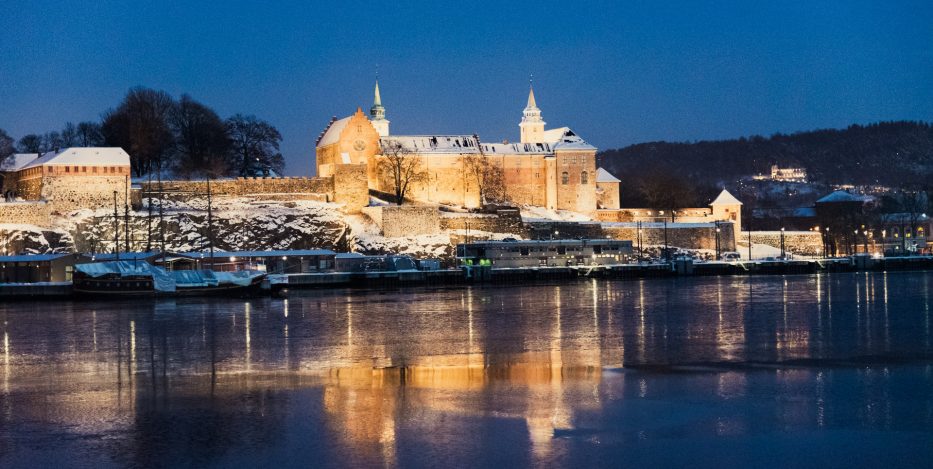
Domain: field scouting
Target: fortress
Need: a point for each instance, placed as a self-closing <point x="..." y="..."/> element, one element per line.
<point x="552" y="168"/>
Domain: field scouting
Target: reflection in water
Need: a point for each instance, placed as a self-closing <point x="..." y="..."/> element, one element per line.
<point x="386" y="378"/>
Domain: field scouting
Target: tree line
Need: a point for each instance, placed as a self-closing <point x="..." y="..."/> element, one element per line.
<point x="162" y="134"/>
<point x="885" y="153"/>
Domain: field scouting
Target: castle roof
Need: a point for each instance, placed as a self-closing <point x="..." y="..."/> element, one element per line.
<point x="332" y="133"/>
<point x="605" y="176"/>
<point x="725" y="198"/>
<point x="16" y="161"/>
<point x="82" y="156"/>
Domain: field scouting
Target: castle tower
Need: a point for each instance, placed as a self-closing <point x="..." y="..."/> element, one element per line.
<point x="532" y="124"/>
<point x="377" y="114"/>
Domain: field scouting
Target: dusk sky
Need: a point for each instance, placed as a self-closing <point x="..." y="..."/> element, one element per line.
<point x="618" y="73"/>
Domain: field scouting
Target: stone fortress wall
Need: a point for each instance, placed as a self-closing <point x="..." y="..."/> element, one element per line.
<point x="30" y="213"/>
<point x="804" y="243"/>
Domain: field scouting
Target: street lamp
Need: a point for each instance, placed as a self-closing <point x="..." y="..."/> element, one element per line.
<point x="718" y="242"/>
<point x="783" y="253"/>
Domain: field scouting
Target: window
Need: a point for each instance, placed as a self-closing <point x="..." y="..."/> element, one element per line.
<point x="564" y="177"/>
<point x="94" y="169"/>
<point x="584" y="178"/>
<point x="67" y="169"/>
<point x="84" y="169"/>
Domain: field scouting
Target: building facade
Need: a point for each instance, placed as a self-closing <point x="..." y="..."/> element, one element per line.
<point x="552" y="168"/>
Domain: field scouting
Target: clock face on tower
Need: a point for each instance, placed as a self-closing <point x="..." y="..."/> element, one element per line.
<point x="359" y="145"/>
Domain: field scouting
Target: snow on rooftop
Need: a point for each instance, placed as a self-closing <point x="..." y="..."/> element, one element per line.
<point x="87" y="156"/>
<point x="725" y="198"/>
<point x="841" y="196"/>
<point x="433" y="143"/>
<point x="605" y="176"/>
<point x="17" y="160"/>
<point x="332" y="134"/>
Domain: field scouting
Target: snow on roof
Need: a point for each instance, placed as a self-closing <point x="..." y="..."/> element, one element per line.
<point x="332" y="134"/>
<point x="605" y="176"/>
<point x="125" y="256"/>
<point x="516" y="148"/>
<point x="87" y="156"/>
<point x="841" y="196"/>
<point x="433" y="143"/>
<point x="17" y="160"/>
<point x="804" y="212"/>
<point x="293" y="253"/>
<point x="32" y="257"/>
<point x="725" y="198"/>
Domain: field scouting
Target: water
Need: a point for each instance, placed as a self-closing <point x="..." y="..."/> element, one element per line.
<point x="829" y="371"/>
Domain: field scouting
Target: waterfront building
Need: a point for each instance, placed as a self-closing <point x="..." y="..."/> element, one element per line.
<point x="546" y="253"/>
<point x="33" y="268"/>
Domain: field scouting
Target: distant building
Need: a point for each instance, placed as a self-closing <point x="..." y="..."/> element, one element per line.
<point x="784" y="174"/>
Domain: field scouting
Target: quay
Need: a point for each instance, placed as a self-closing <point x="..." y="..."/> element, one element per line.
<point x="279" y="284"/>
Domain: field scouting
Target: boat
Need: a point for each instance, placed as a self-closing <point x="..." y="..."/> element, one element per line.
<point x="122" y="279"/>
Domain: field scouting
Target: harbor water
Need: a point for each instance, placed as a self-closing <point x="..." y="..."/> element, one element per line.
<point x="801" y="370"/>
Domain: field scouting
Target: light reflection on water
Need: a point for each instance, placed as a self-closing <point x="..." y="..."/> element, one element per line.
<point x="572" y="373"/>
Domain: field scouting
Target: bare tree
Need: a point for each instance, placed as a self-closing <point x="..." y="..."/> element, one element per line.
<point x="30" y="143"/>
<point x="663" y="189"/>
<point x="401" y="167"/>
<point x="140" y="126"/>
<point x="255" y="146"/>
<point x="89" y="134"/>
<point x="202" y="146"/>
<point x="488" y="177"/>
<point x="6" y="148"/>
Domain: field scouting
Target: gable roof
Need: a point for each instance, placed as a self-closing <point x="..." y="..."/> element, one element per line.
<point x="841" y="196"/>
<point x="725" y="198"/>
<point x="605" y="176"/>
<point x="17" y="160"/>
<point x="86" y="156"/>
<point x="332" y="133"/>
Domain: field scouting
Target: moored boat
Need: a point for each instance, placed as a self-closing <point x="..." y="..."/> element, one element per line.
<point x="131" y="279"/>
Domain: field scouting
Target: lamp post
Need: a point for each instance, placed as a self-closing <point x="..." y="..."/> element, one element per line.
<point x="718" y="242"/>
<point x="826" y="249"/>
<point x="865" y="240"/>
<point x="783" y="252"/>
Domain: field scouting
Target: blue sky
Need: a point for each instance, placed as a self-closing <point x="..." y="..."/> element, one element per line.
<point x="618" y="73"/>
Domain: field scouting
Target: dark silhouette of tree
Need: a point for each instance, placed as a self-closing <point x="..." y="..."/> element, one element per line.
<point x="487" y="176"/>
<point x="886" y="153"/>
<point x="140" y="126"/>
<point x="31" y="143"/>
<point x="6" y="149"/>
<point x="202" y="146"/>
<point x="664" y="190"/>
<point x="401" y="168"/>
<point x="255" y="146"/>
<point x="88" y="134"/>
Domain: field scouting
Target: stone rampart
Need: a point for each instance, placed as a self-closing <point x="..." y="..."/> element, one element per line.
<point x="503" y="221"/>
<point x="681" y="235"/>
<point x="804" y="243"/>
<point x="405" y="220"/>
<point x="351" y="187"/>
<point x="243" y="187"/>
<point x="66" y="194"/>
<point x="29" y="213"/>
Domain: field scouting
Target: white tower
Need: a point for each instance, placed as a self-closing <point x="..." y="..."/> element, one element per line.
<point x="532" y="124"/>
<point x="377" y="115"/>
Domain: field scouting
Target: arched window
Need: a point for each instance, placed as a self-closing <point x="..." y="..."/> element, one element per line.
<point x="584" y="178"/>
<point x="564" y="177"/>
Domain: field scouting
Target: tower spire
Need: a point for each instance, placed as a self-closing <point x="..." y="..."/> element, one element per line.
<point x="377" y="113"/>
<point x="532" y="125"/>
